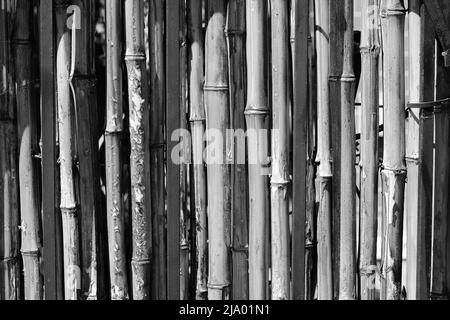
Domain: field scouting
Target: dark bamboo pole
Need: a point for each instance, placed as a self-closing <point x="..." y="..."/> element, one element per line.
<point x="9" y="204"/>
<point x="256" y="112"/>
<point x="140" y="156"/>
<point x="324" y="173"/>
<point x="394" y="168"/>
<point x="236" y="49"/>
<point x="347" y="267"/>
<point x="217" y="121"/>
<point x="157" y="147"/>
<point x="370" y="52"/>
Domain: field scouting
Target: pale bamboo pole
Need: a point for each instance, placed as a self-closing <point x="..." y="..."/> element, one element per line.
<point x="9" y="204"/>
<point x="218" y="175"/>
<point x="419" y="153"/>
<point x="347" y="267"/>
<point x="324" y="172"/>
<point x="140" y="155"/>
<point x="113" y="136"/>
<point x="236" y="49"/>
<point x="280" y="152"/>
<point x="157" y="105"/>
<point x="370" y="52"/>
<point x="197" y="119"/>
<point x="394" y="168"/>
<point x="68" y="201"/>
<point x="256" y="112"/>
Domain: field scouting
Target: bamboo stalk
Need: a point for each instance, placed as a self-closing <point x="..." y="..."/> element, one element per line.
<point x="139" y="158"/>
<point x="324" y="172"/>
<point x="394" y="169"/>
<point x="256" y="112"/>
<point x="280" y="152"/>
<point x="157" y="145"/>
<point x="113" y="137"/>
<point x="347" y="254"/>
<point x="419" y="154"/>
<point x="217" y="113"/>
<point x="236" y="49"/>
<point x="370" y="52"/>
<point x="68" y="201"/>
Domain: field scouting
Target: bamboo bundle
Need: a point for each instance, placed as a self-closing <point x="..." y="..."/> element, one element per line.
<point x="140" y="156"/>
<point x="9" y="203"/>
<point x="394" y="169"/>
<point x="324" y="172"/>
<point x="347" y="246"/>
<point x="370" y="52"/>
<point x="68" y="201"/>
<point x="256" y="112"/>
<point x="236" y="49"/>
<point x="419" y="154"/>
<point x="217" y="113"/>
<point x="197" y="119"/>
<point x="157" y="145"/>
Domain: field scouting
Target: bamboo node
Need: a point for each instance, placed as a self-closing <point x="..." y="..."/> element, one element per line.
<point x="215" y="88"/>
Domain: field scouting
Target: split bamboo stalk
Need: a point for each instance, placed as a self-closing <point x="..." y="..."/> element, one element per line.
<point x="256" y="112"/>
<point x="68" y="201"/>
<point x="113" y="143"/>
<point x="280" y="152"/>
<point x="157" y="147"/>
<point x="197" y="120"/>
<point x="394" y="168"/>
<point x="9" y="203"/>
<point x="419" y="153"/>
<point x="236" y="49"/>
<point x="217" y="114"/>
<point x="324" y="172"/>
<point x="370" y="52"/>
<point x="140" y="156"/>
<point x="347" y="254"/>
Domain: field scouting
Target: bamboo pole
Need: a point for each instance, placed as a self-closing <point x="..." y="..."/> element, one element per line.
<point x="394" y="169"/>
<point x="347" y="254"/>
<point x="419" y="153"/>
<point x="139" y="138"/>
<point x="370" y="52"/>
<point x="197" y="119"/>
<point x="157" y="146"/>
<point x="256" y="112"/>
<point x="9" y="203"/>
<point x="280" y="152"/>
<point x="236" y="49"/>
<point x="68" y="201"/>
<point x="217" y="113"/>
<point x="324" y="172"/>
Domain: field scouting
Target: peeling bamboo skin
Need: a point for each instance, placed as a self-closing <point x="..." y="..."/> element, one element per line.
<point x="280" y="152"/>
<point x="113" y="145"/>
<point x="157" y="104"/>
<point x="394" y="168"/>
<point x="197" y="118"/>
<point x="370" y="51"/>
<point x="139" y="157"/>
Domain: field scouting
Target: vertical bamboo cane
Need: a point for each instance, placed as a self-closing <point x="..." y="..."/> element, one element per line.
<point x="394" y="169"/>
<point x="217" y="113"/>
<point x="419" y="154"/>
<point x="347" y="254"/>
<point x="197" y="119"/>
<point x="9" y="204"/>
<point x="256" y="112"/>
<point x="324" y="173"/>
<point x="69" y="206"/>
<point x="280" y="152"/>
<point x="139" y="158"/>
<point x="157" y="145"/>
<point x="370" y="52"/>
